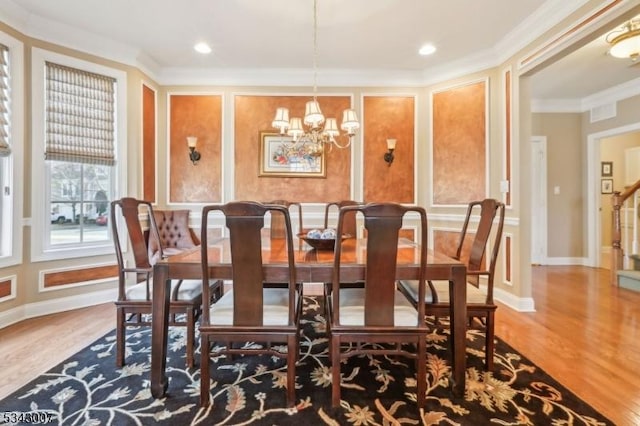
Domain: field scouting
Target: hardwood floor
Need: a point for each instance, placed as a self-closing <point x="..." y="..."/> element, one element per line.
<point x="584" y="333"/>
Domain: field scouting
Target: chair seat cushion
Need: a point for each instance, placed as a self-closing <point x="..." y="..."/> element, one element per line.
<point x="189" y="290"/>
<point x="352" y="309"/>
<point x="275" y="307"/>
<point x="474" y="294"/>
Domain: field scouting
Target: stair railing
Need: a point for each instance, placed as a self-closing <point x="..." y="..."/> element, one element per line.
<point x="617" y="253"/>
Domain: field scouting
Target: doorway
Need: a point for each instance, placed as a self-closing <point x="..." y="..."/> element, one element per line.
<point x="538" y="200"/>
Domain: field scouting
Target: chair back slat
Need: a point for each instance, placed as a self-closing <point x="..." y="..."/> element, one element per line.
<point x="382" y="222"/>
<point x="349" y="225"/>
<point x="245" y="221"/>
<point x="277" y="227"/>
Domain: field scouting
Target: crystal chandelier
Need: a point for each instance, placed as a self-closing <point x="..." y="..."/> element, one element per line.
<point x="310" y="131"/>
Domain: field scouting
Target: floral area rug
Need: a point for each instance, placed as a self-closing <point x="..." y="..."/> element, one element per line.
<point x="88" y="389"/>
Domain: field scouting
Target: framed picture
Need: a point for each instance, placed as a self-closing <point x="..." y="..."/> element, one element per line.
<point x="280" y="156"/>
<point x="607" y="168"/>
<point x="606" y="186"/>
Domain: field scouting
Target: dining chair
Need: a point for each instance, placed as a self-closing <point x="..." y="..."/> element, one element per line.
<point x="133" y="306"/>
<point x="480" y="303"/>
<point x="350" y="224"/>
<point x="174" y="233"/>
<point x="277" y="227"/>
<point x="249" y="311"/>
<point x="376" y="318"/>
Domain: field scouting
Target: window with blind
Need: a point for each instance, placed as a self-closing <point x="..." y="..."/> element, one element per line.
<point x="79" y="119"/>
<point x="80" y="152"/>
<point x="11" y="149"/>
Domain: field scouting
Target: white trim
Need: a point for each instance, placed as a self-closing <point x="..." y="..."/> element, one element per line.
<point x="593" y="189"/>
<point x="507" y="138"/>
<point x="519" y="304"/>
<point x="563" y="261"/>
<point x="12" y="232"/>
<point x="40" y="218"/>
<point x="62" y="304"/>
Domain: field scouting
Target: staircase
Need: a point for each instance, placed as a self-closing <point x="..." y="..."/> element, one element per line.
<point x="625" y="260"/>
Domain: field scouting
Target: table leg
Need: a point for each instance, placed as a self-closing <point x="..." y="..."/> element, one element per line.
<point x="458" y="315"/>
<point x="159" y="329"/>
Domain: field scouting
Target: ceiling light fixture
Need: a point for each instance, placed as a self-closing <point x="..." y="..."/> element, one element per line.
<point x="625" y="42"/>
<point x="427" y="49"/>
<point x="202" y="47"/>
<point x="313" y="135"/>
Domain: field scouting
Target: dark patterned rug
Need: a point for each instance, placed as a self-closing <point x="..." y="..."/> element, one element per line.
<point x="87" y="389"/>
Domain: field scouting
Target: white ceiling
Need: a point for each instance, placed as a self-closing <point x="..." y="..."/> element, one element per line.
<point x="363" y="42"/>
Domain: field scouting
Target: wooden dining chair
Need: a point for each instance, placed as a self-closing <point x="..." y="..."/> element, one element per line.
<point x="350" y="224"/>
<point x="277" y="227"/>
<point x="134" y="301"/>
<point x="250" y="312"/>
<point x="377" y="319"/>
<point x="480" y="304"/>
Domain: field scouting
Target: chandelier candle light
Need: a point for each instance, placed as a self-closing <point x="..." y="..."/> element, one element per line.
<point x="314" y="135"/>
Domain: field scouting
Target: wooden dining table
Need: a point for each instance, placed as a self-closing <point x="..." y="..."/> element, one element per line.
<point x="311" y="266"/>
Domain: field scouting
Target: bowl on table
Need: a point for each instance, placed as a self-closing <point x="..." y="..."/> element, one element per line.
<point x="320" y="242"/>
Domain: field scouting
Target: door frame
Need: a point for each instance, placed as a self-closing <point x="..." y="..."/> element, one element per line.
<point x="539" y="204"/>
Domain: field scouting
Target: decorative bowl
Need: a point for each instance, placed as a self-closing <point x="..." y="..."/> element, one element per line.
<point x="321" y="243"/>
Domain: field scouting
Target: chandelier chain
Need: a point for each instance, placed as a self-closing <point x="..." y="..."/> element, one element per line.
<point x="315" y="49"/>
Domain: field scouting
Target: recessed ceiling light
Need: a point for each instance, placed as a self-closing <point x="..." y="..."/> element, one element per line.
<point x="202" y="47"/>
<point x="427" y="49"/>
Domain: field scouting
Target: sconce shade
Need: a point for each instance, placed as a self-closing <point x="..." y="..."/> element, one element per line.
<point x="391" y="143"/>
<point x="192" y="141"/>
<point x="295" y="128"/>
<point x="331" y="128"/>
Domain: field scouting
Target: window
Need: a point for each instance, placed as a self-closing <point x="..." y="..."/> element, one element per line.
<point x="11" y="147"/>
<point x="79" y="134"/>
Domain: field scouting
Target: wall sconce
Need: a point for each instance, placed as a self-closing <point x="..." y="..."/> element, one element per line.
<point x="193" y="154"/>
<point x="391" y="146"/>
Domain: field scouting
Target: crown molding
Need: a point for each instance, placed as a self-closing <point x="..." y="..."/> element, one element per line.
<point x="549" y="14"/>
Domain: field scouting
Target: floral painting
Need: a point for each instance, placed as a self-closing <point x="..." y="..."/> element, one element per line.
<point x="281" y="156"/>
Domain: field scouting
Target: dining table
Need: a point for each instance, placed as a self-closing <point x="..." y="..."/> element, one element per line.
<point x="312" y="266"/>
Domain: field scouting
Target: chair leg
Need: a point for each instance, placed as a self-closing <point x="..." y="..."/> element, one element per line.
<point x="489" y="342"/>
<point x="120" y="336"/>
<point x="204" y="370"/>
<point x="335" y="372"/>
<point x="191" y="326"/>
<point x="422" y="372"/>
<point x="292" y="357"/>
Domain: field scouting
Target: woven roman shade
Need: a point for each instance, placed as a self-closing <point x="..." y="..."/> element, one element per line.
<point x="5" y="97"/>
<point x="80" y="108"/>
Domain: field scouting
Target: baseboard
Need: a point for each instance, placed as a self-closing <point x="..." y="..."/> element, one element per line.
<point x="566" y="261"/>
<point x="520" y="304"/>
<point x="46" y="307"/>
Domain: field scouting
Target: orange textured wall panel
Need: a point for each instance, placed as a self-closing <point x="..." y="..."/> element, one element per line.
<point x="447" y="242"/>
<point x="54" y="279"/>
<point x="5" y="288"/>
<point x="149" y="143"/>
<point x="199" y="116"/>
<point x="459" y="144"/>
<point x="388" y="117"/>
<point x="253" y="115"/>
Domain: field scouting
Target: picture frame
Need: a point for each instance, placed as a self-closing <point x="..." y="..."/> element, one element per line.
<point x="281" y="157"/>
<point x="606" y="186"/>
<point x="606" y="168"/>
